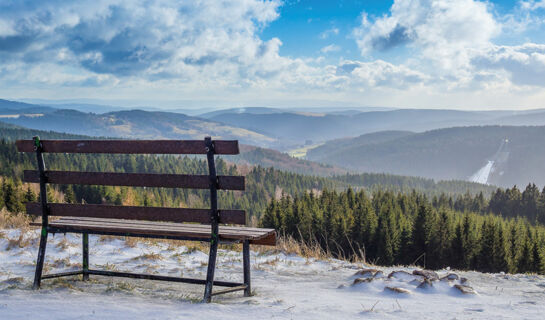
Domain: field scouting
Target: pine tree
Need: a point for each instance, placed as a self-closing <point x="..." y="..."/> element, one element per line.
<point x="69" y="196"/>
<point x="469" y="242"/>
<point x="29" y="195"/>
<point x="269" y="219"/>
<point x="421" y="233"/>
<point x="524" y="263"/>
<point x="11" y="200"/>
<point x="537" y="258"/>
<point x="458" y="254"/>
<point x="440" y="241"/>
<point x="485" y="256"/>
<point x="500" y="261"/>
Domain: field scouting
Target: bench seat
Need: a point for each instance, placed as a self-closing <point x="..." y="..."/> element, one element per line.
<point x="196" y="231"/>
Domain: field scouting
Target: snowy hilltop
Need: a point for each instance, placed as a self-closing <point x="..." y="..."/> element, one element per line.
<point x="285" y="286"/>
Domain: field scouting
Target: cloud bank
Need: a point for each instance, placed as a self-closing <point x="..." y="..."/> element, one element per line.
<point x="208" y="47"/>
<point x="453" y="41"/>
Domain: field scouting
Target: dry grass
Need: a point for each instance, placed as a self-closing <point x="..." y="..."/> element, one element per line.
<point x="20" y="242"/>
<point x="149" y="256"/>
<point x="14" y="220"/>
<point x="131" y="242"/>
<point x="64" y="244"/>
<point x="288" y="245"/>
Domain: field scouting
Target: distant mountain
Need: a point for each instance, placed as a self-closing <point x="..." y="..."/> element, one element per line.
<point x="518" y="153"/>
<point x="252" y="110"/>
<point x="309" y="110"/>
<point x="271" y="179"/>
<point x="8" y="107"/>
<point x="296" y="128"/>
<point x="137" y="124"/>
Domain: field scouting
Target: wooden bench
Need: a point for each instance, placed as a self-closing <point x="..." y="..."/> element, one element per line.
<point x="146" y="222"/>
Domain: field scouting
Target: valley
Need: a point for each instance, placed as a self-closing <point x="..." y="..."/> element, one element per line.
<point x="434" y="144"/>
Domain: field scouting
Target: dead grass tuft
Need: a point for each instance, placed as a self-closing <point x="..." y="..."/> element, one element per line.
<point x="64" y="244"/>
<point x="131" y="242"/>
<point x="20" y="242"/>
<point x="14" y="220"/>
<point x="288" y="245"/>
<point x="149" y="256"/>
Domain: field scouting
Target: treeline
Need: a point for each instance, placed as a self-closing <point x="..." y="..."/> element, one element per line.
<point x="405" y="184"/>
<point x="509" y="203"/>
<point x="262" y="184"/>
<point x="269" y="158"/>
<point x="390" y="229"/>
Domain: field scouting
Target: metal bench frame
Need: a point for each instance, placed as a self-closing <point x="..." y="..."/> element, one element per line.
<point x="102" y="146"/>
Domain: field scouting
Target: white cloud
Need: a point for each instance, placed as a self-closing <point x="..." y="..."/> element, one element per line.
<point x="204" y="45"/>
<point x="452" y="41"/>
<point x="525" y="63"/>
<point x="329" y="32"/>
<point x="533" y="4"/>
<point x="443" y="30"/>
<point x="379" y="74"/>
<point x="160" y="48"/>
<point x="140" y="38"/>
<point x="330" y="48"/>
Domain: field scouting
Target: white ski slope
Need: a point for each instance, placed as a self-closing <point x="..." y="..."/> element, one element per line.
<point x="482" y="175"/>
<point x="286" y="287"/>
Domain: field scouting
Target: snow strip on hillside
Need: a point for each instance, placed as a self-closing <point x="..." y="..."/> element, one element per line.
<point x="285" y="286"/>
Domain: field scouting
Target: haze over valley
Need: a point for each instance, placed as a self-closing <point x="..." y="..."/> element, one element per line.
<point x="435" y="144"/>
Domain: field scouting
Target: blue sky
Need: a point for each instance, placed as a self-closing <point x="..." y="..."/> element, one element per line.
<point x="465" y="54"/>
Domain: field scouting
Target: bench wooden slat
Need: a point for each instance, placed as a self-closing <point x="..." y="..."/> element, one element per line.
<point x="135" y="179"/>
<point x="264" y="237"/>
<point x="201" y="231"/>
<point x="152" y="224"/>
<point x="130" y="146"/>
<point x="137" y="213"/>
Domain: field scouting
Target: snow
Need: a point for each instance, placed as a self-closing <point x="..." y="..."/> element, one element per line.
<point x="482" y="175"/>
<point x="285" y="286"/>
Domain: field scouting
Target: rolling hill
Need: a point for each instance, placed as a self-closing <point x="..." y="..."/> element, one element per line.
<point x="280" y="164"/>
<point x="453" y="153"/>
<point x="136" y="124"/>
<point x="295" y="128"/>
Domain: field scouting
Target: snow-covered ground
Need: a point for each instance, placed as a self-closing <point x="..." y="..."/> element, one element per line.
<point x="285" y="287"/>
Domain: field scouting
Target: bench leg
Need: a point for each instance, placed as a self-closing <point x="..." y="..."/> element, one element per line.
<point x="246" y="267"/>
<point x="40" y="261"/>
<point x="85" y="251"/>
<point x="211" y="269"/>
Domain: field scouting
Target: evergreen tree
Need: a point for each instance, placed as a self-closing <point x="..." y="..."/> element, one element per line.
<point x="421" y="233"/>
<point x="537" y="258"/>
<point x="69" y="196"/>
<point x="500" y="261"/>
<point x="11" y="199"/>
<point x="29" y="195"/>
<point x="524" y="263"/>
<point x="485" y="256"/>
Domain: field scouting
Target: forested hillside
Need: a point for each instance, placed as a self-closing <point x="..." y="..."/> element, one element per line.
<point x="282" y="161"/>
<point x="135" y="124"/>
<point x="390" y="229"/>
<point x="392" y="220"/>
<point x="445" y="154"/>
<point x="262" y="184"/>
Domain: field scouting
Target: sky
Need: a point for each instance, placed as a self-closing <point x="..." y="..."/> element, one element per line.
<point x="462" y="54"/>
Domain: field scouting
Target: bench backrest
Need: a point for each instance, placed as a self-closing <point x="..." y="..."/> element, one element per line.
<point x="211" y="181"/>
